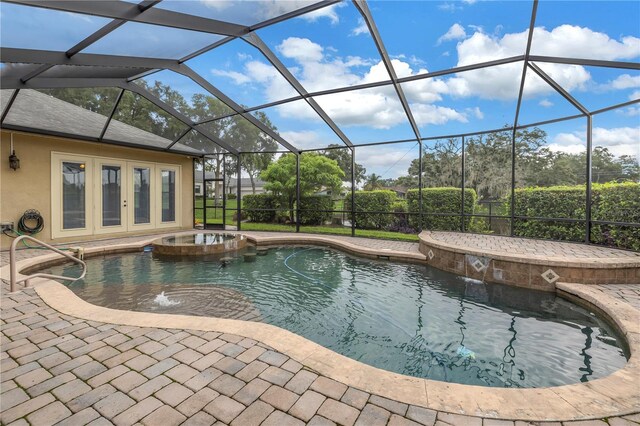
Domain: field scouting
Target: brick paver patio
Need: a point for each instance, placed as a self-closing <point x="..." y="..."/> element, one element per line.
<point x="57" y="369"/>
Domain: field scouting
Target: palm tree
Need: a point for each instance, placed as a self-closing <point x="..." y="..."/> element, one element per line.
<point x="373" y="182"/>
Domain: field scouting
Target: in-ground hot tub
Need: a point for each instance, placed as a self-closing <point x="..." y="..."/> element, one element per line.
<point x="200" y="244"/>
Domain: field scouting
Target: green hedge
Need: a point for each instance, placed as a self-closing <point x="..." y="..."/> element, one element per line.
<point x="372" y="201"/>
<point x="440" y="200"/>
<point x="555" y="201"/>
<point x="252" y="203"/>
<point x="615" y="202"/>
<point x="314" y="209"/>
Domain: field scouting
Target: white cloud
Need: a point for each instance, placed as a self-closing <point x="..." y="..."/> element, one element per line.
<point x="476" y="112"/>
<point x="569" y="149"/>
<point x="631" y="111"/>
<point x="619" y="141"/>
<point x="328" y="12"/>
<point x="319" y="67"/>
<point x="455" y="32"/>
<point x="426" y="114"/>
<point x="361" y="28"/>
<point x="448" y="7"/>
<point x="301" y="49"/>
<point x="389" y="161"/>
<point x="581" y="42"/>
<point x="635" y="95"/>
<point x="238" y="78"/>
<point x="304" y="139"/>
<point x="565" y="40"/>
<point x="625" y="81"/>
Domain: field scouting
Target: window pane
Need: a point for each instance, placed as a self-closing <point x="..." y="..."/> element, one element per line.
<point x="111" y="191"/>
<point x="168" y="196"/>
<point x="142" y="195"/>
<point x="73" y="193"/>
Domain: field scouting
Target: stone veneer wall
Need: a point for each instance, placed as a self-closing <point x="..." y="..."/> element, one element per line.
<point x="523" y="272"/>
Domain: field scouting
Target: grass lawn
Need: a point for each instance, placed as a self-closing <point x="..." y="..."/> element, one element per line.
<point x="215" y="215"/>
<point x="369" y="233"/>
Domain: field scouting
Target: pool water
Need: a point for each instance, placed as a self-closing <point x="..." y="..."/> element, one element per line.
<point x="405" y="318"/>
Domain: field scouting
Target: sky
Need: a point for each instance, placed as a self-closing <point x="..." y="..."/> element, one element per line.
<point x="332" y="48"/>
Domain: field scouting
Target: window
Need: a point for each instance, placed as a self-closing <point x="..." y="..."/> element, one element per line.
<point x="73" y="195"/>
<point x="168" y="195"/>
<point x="142" y="195"/>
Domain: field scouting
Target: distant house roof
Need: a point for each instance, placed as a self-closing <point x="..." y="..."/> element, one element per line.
<point x="397" y="188"/>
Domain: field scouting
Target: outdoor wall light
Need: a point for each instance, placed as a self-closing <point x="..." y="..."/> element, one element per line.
<point x="14" y="161"/>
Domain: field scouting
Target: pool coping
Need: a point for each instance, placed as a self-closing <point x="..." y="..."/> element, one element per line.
<point x="425" y="238"/>
<point x="614" y="395"/>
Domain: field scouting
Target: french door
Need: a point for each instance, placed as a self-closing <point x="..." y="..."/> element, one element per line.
<point x="111" y="196"/>
<point x="108" y="196"/>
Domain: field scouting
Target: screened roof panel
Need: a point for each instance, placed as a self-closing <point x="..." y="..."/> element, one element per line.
<point x="185" y="95"/>
<point x="241" y="134"/>
<point x="327" y="49"/>
<point x="596" y="87"/>
<point x="38" y="28"/>
<point x="324" y="53"/>
<point x="299" y="125"/>
<point x="238" y="12"/>
<point x="39" y="110"/>
<point x="470" y="101"/>
<point x="11" y="70"/>
<point x="198" y="143"/>
<point x="5" y="97"/>
<point x="241" y="72"/>
<point x="606" y="30"/>
<point x="541" y="102"/>
<point x="151" y="41"/>
<point x="388" y="161"/>
<point x="618" y="130"/>
<point x="74" y="71"/>
<point x="457" y="33"/>
<point x="368" y="115"/>
<point x="137" y="112"/>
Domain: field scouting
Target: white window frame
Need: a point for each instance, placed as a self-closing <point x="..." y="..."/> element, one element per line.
<point x="57" y="216"/>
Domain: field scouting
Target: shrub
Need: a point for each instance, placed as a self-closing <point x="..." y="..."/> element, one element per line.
<point x="372" y="201"/>
<point x="315" y="209"/>
<point x="440" y="200"/>
<point x="615" y="202"/>
<point x="260" y="207"/>
<point x="231" y="196"/>
<point x="556" y="202"/>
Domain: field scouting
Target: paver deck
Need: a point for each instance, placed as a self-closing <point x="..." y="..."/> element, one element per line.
<point x="58" y="368"/>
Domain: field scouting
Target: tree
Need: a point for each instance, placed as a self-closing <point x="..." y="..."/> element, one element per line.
<point x="248" y="138"/>
<point x="317" y="172"/>
<point x="342" y="156"/>
<point x="373" y="182"/>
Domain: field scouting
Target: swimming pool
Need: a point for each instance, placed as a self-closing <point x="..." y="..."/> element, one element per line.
<point x="410" y="319"/>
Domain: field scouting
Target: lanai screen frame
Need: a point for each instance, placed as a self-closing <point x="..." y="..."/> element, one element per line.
<point x="146" y="12"/>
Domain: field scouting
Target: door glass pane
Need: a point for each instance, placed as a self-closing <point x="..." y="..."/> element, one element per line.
<point x="73" y="193"/>
<point x="111" y="196"/>
<point x="141" y="195"/>
<point x="168" y="196"/>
